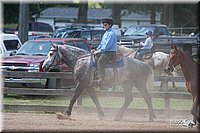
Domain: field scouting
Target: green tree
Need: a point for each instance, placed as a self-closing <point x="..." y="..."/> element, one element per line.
<point x="186" y="15"/>
<point x="10" y="13"/>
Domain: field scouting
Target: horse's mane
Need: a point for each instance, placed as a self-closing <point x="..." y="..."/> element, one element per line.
<point x="123" y="48"/>
<point x="74" y="50"/>
<point x="186" y="56"/>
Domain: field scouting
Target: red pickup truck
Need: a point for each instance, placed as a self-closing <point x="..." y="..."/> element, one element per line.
<point x="31" y="56"/>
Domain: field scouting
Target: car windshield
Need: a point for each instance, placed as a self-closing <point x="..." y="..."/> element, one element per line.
<point x="138" y="30"/>
<point x="34" y="48"/>
<point x="81" y="45"/>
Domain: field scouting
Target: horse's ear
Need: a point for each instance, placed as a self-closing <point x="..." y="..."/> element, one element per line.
<point x="54" y="45"/>
<point x="173" y="46"/>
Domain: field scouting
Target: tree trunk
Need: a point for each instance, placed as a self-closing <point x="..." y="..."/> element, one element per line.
<point x="82" y="12"/>
<point x="23" y="25"/>
<point x="168" y="15"/>
<point x="116" y="14"/>
<point x="153" y="15"/>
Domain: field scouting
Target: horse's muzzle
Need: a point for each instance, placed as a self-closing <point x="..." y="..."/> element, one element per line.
<point x="45" y="68"/>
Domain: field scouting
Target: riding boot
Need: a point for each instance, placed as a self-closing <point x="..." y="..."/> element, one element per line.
<point x="100" y="81"/>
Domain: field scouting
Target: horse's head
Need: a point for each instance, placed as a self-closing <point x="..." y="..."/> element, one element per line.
<point x="53" y="58"/>
<point x="173" y="59"/>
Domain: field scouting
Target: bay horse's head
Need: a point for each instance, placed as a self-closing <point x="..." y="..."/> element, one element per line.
<point x="53" y="58"/>
<point x="173" y="59"/>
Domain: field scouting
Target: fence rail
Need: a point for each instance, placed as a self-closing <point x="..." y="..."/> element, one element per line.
<point x="166" y="95"/>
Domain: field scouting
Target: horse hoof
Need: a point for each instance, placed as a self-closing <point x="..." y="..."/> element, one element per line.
<point x="117" y="119"/>
<point x="151" y="120"/>
<point x="62" y="116"/>
<point x="100" y="118"/>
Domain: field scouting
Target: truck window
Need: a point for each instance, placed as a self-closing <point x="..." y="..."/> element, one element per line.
<point x="162" y="31"/>
<point x="86" y="35"/>
<point x="11" y="44"/>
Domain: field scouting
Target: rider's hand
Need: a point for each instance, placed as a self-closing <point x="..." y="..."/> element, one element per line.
<point x="95" y="52"/>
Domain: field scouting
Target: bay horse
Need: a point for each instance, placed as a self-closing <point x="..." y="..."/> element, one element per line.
<point x="157" y="61"/>
<point x="190" y="71"/>
<point x="131" y="73"/>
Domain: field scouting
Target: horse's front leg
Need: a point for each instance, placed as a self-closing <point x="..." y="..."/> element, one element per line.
<point x="194" y="110"/>
<point x="79" y="89"/>
<point x="93" y="95"/>
<point x="127" y="86"/>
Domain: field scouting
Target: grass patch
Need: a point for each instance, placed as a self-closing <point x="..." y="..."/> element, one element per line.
<point x="114" y="102"/>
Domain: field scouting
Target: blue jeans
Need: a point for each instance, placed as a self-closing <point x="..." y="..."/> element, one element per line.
<point x="103" y="59"/>
<point x="141" y="53"/>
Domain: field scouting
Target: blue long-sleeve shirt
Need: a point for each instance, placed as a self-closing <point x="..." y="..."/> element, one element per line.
<point x="108" y="42"/>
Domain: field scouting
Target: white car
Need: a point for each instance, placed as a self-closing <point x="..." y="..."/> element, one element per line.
<point x="9" y="44"/>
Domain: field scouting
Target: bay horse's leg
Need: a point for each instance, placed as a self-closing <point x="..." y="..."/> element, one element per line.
<point x="195" y="109"/>
<point x="147" y="98"/>
<point x="94" y="97"/>
<point x="79" y="89"/>
<point x="127" y="86"/>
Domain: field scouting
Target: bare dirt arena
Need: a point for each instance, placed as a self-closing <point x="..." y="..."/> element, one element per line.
<point x="38" y="122"/>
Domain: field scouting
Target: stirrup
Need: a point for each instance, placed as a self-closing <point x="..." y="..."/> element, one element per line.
<point x="99" y="81"/>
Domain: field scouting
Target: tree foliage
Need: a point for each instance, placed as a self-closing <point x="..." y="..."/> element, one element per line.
<point x="183" y="15"/>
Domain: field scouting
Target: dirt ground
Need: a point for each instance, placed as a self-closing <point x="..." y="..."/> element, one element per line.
<point x="49" y="122"/>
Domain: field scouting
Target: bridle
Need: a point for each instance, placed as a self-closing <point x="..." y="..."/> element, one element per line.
<point x="176" y="56"/>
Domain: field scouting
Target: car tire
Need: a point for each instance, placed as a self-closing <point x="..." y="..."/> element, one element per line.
<point x="53" y="83"/>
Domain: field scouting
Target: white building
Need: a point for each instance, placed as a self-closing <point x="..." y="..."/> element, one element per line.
<point x="64" y="16"/>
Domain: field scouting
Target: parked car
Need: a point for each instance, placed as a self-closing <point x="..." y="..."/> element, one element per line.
<point x="9" y="44"/>
<point x="93" y="35"/>
<point x="38" y="28"/>
<point x="31" y="56"/>
<point x="33" y="37"/>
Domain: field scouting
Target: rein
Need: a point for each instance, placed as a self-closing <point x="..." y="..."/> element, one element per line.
<point x="130" y="53"/>
<point x="81" y="57"/>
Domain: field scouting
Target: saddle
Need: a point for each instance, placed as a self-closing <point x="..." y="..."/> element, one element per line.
<point x="147" y="56"/>
<point x="116" y="62"/>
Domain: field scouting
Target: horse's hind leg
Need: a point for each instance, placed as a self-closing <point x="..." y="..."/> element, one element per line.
<point x="94" y="97"/>
<point x="143" y="90"/>
<point x="127" y="86"/>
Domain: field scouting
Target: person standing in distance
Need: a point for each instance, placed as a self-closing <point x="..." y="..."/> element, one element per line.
<point x="107" y="48"/>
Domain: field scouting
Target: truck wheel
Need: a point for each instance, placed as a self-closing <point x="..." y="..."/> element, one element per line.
<point x="188" y="49"/>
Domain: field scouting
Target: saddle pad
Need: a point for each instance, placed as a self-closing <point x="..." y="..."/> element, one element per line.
<point x="119" y="63"/>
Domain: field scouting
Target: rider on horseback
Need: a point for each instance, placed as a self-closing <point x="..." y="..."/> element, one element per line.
<point x="107" y="48"/>
<point x="147" y="46"/>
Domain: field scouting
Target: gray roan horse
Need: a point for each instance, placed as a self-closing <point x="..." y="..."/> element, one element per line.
<point x="157" y="61"/>
<point x="133" y="73"/>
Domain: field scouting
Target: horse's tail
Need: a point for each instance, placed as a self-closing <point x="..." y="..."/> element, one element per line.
<point x="150" y="78"/>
